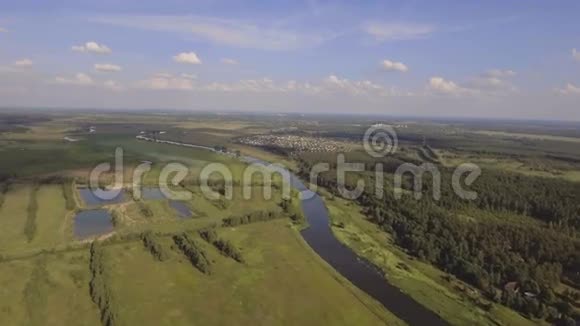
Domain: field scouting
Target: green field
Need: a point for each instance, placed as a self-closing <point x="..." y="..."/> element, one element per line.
<point x="47" y="273"/>
<point x="281" y="282"/>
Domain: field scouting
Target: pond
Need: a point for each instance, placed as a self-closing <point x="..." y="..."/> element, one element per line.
<point x="181" y="208"/>
<point x="92" y="223"/>
<point x="99" y="197"/>
<point x="151" y="193"/>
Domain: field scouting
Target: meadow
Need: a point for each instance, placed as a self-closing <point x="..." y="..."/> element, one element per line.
<point x="49" y="276"/>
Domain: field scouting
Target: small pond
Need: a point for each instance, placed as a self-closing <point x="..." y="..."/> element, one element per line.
<point x="181" y="208"/>
<point x="92" y="223"/>
<point x="151" y="193"/>
<point x="99" y="197"/>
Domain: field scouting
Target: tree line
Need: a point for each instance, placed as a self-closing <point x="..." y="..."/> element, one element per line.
<point x="193" y="252"/>
<point x="31" y="211"/>
<point x="257" y="216"/>
<point x="98" y="287"/>
<point x="225" y="247"/>
<point x="151" y="243"/>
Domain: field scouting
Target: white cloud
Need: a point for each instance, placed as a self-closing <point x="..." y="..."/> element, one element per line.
<point x="246" y="85"/>
<point x="92" y="47"/>
<point x="188" y="58"/>
<point x="394" y="66"/>
<point x="353" y="87"/>
<point x="107" y="67"/>
<point x="493" y="82"/>
<point x="229" y="61"/>
<point x="188" y="76"/>
<point x="499" y="73"/>
<point x="569" y="89"/>
<point x="23" y="63"/>
<point x="331" y="85"/>
<point x="78" y="79"/>
<point x="165" y="81"/>
<point x="265" y="35"/>
<point x="441" y="85"/>
<point x="3" y="30"/>
<point x="383" y="32"/>
<point x="113" y="85"/>
<point x="576" y="54"/>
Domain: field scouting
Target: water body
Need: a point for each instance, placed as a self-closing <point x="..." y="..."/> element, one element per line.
<point x="99" y="197"/>
<point x="150" y="193"/>
<point x="357" y="270"/>
<point x="182" y="210"/>
<point x="92" y="223"/>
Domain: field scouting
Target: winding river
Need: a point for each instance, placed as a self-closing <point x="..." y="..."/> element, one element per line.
<point x="358" y="271"/>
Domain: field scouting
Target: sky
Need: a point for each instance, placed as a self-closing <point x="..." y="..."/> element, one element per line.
<point x="491" y="59"/>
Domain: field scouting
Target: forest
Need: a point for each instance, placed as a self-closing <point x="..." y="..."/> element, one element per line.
<point x="519" y="265"/>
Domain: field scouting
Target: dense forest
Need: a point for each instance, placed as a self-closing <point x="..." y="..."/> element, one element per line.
<point x="515" y="264"/>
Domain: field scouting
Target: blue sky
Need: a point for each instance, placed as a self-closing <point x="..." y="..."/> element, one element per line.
<point x="509" y="59"/>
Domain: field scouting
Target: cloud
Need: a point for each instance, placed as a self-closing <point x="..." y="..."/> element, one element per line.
<point x="441" y="85"/>
<point x="394" y="66"/>
<point x="246" y="85"/>
<point x="3" y="30"/>
<point x="113" y="85"/>
<point x="92" y="47"/>
<point x="576" y="54"/>
<point x="78" y="79"/>
<point x="491" y="83"/>
<point x="383" y="32"/>
<point x="107" y="67"/>
<point x="335" y="84"/>
<point x="499" y="73"/>
<point x="569" y="90"/>
<point x="264" y="35"/>
<point x="331" y="85"/>
<point x="23" y="63"/>
<point x="188" y="76"/>
<point x="187" y="58"/>
<point x="229" y="61"/>
<point x="165" y="81"/>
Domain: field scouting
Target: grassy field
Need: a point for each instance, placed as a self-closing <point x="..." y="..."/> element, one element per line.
<point x="13" y="218"/>
<point x="280" y="283"/>
<point x="455" y="301"/>
<point x="47" y="290"/>
<point x="53" y="221"/>
<point x="539" y="167"/>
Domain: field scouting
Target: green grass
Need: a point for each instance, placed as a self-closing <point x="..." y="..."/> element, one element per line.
<point x="47" y="290"/>
<point x="455" y="301"/>
<point x="53" y="221"/>
<point x="13" y="215"/>
<point x="280" y="283"/>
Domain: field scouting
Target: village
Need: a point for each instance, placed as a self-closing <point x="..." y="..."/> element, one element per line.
<point x="297" y="143"/>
